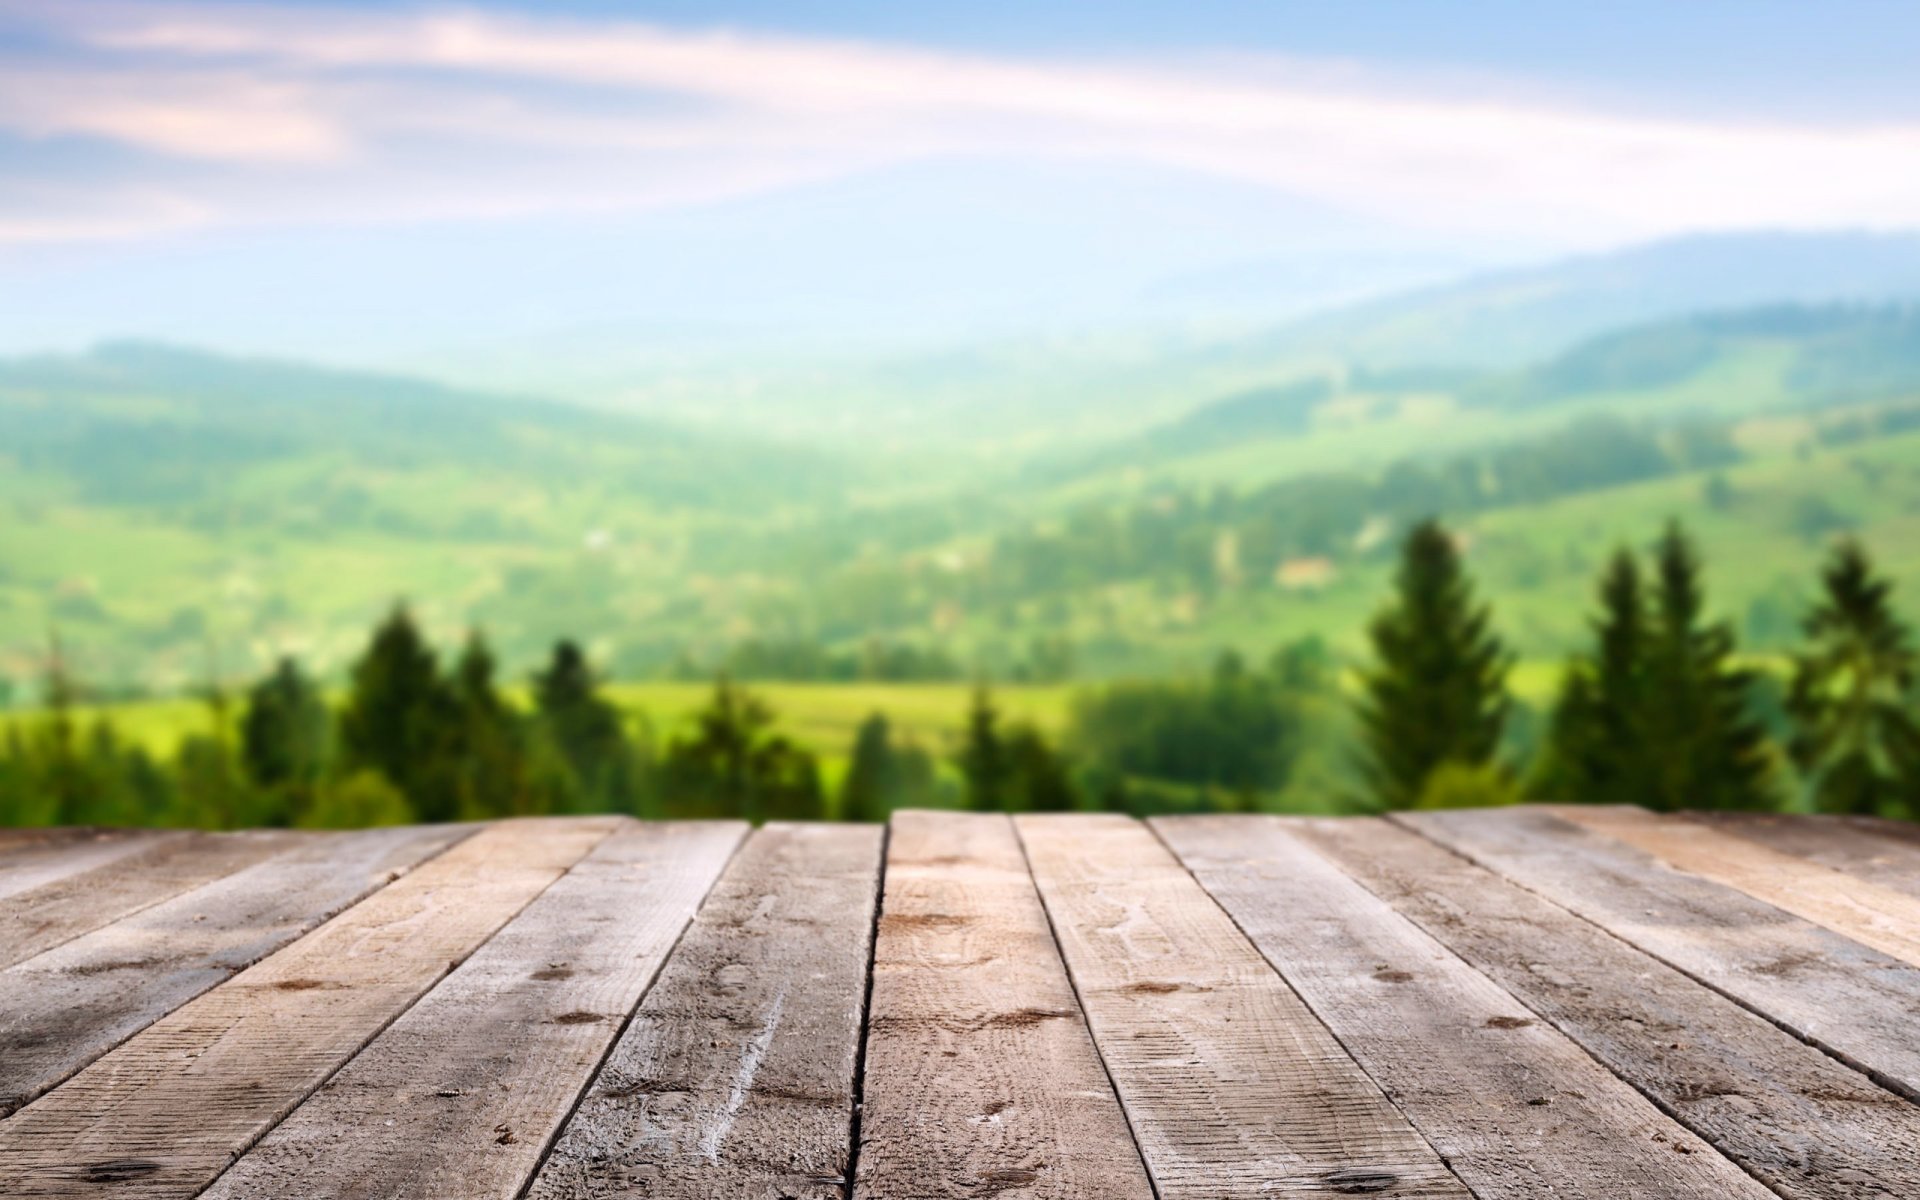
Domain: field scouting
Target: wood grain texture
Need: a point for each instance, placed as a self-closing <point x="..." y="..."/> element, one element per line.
<point x="1512" y="1104"/>
<point x="1809" y="1127"/>
<point x="63" y="1008"/>
<point x="1233" y="1087"/>
<point x="1876" y="916"/>
<point x="981" y="1080"/>
<point x="43" y="917"/>
<point x="164" y="1113"/>
<point x="1853" y="1002"/>
<point x="457" y="1099"/>
<point x="735" y="1080"/>
<point x="32" y="858"/>
<point x="1861" y="849"/>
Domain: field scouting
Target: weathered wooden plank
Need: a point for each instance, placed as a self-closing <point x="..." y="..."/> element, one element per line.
<point x="1853" y="1002"/>
<point x="1876" y="916"/>
<point x="736" y="1076"/>
<point x="1807" y="1126"/>
<point x="43" y="917"/>
<point x="35" y="858"/>
<point x="65" y="1007"/>
<point x="1233" y="1087"/>
<point x="981" y="1079"/>
<point x="164" y="1113"/>
<point x="1507" y="1101"/>
<point x="458" y="1098"/>
<point x="1860" y="849"/>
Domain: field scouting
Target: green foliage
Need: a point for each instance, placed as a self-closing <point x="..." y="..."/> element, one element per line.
<point x="283" y="740"/>
<point x="364" y="798"/>
<point x="1460" y="785"/>
<point x="983" y="759"/>
<point x="399" y="718"/>
<point x="883" y="775"/>
<point x="1856" y="739"/>
<point x="1236" y="731"/>
<point x="491" y="770"/>
<point x="1438" y="692"/>
<point x="586" y="730"/>
<point x="734" y="764"/>
<point x="1706" y="748"/>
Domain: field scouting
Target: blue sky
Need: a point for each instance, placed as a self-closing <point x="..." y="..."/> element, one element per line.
<point x="379" y="182"/>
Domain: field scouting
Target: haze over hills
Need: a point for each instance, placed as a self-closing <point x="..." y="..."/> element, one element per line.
<point x="1003" y="393"/>
<point x="1142" y="502"/>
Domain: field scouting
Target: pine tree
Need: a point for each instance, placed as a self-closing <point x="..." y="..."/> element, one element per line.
<point x="586" y="728"/>
<point x="491" y="753"/>
<point x="1438" y="694"/>
<point x="1598" y="735"/>
<point x="1856" y="740"/>
<point x="735" y="764"/>
<point x="1705" y="750"/>
<point x="868" y="791"/>
<point x="399" y="719"/>
<point x="983" y="756"/>
<point x="1037" y="777"/>
<point x="283" y="741"/>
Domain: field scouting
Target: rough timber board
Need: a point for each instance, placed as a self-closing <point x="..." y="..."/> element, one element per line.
<point x="1495" y="1091"/>
<point x="736" y="1076"/>
<point x="459" y="1096"/>
<point x="981" y="1079"/>
<point x="1233" y="1087"/>
<point x="1852" y="1001"/>
<point x="63" y="1008"/>
<point x="1809" y="1127"/>
<point x="43" y="917"/>
<point x="1884" y="918"/>
<point x="163" y="1114"/>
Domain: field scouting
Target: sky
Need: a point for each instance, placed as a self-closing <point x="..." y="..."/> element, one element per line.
<point x="367" y="182"/>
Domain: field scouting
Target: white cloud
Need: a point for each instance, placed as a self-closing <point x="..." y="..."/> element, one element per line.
<point x="308" y="114"/>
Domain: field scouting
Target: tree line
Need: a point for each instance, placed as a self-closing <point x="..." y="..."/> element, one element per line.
<point x="1659" y="710"/>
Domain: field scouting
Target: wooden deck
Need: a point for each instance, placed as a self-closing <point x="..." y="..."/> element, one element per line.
<point x="1498" y="1004"/>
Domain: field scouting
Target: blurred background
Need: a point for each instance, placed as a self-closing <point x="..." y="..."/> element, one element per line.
<point x="412" y="411"/>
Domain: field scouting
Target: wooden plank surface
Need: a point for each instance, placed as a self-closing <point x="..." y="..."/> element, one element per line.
<point x="1863" y="850"/>
<point x="65" y="1007"/>
<point x="1876" y="916"/>
<point x="35" y="858"/>
<point x="736" y="1076"/>
<point x="1806" y="1125"/>
<point x="981" y="1079"/>
<point x="1852" y="1001"/>
<point x="43" y="917"/>
<point x="1233" y="1087"/>
<point x="164" y="1113"/>
<point x="458" y="1097"/>
<point x="1508" y="1101"/>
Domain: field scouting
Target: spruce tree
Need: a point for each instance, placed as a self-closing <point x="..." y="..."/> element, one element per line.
<point x="733" y="763"/>
<point x="491" y="751"/>
<point x="585" y="727"/>
<point x="399" y="718"/>
<point x="1704" y="747"/>
<point x="1598" y="733"/>
<point x="983" y="759"/>
<point x="1856" y="740"/>
<point x="283" y="741"/>
<point x="1438" y="694"/>
<point x="868" y="791"/>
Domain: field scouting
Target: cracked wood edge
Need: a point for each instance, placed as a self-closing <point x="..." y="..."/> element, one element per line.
<point x="1234" y="1088"/>
<point x="164" y="1113"/>
<point x="736" y="1076"/>
<point x="981" y="1077"/>
<point x="459" y="1096"/>
<point x="65" y="1007"/>
<point x="43" y="917"/>
<point x="1851" y="1001"/>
